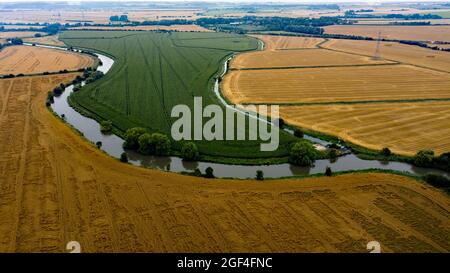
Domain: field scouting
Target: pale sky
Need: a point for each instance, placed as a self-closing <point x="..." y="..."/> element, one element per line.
<point x="253" y="1"/>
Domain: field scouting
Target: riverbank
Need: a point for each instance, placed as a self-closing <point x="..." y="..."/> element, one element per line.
<point x="112" y="145"/>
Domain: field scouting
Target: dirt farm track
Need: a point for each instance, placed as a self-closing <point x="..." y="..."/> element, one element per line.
<point x="55" y="187"/>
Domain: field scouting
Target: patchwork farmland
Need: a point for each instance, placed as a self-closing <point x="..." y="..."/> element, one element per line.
<point x="274" y="42"/>
<point x="51" y="40"/>
<point x="65" y="177"/>
<point x="299" y="58"/>
<point x="56" y="186"/>
<point x="375" y="105"/>
<point x="417" y="33"/>
<point x="154" y="72"/>
<point x="403" y="127"/>
<point x="336" y="84"/>
<point x="190" y="28"/>
<point x="32" y="60"/>
<point x="17" y="34"/>
<point x="406" y="54"/>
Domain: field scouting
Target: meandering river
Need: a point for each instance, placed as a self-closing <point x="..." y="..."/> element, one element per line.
<point x="112" y="145"/>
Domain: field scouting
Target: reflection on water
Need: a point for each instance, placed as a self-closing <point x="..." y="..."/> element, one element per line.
<point x="112" y="145"/>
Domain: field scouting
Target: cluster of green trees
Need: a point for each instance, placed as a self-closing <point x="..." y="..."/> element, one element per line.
<point x="416" y="16"/>
<point x="427" y="158"/>
<point x="88" y="74"/>
<point x="50" y="28"/>
<point x="59" y="89"/>
<point x="16" y="41"/>
<point x="303" y="153"/>
<point x="438" y="181"/>
<point x="91" y="76"/>
<point x="139" y="139"/>
<point x="106" y="126"/>
<point x="117" y="18"/>
<point x="50" y="98"/>
<point x="209" y="173"/>
<point x="298" y="25"/>
<point x="411" y="23"/>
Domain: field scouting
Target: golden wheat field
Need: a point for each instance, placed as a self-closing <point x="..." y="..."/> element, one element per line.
<point x="276" y="42"/>
<point x="92" y="16"/>
<point x="56" y="187"/>
<point x="405" y="128"/>
<point x="299" y="58"/>
<point x="394" y="51"/>
<point x="32" y="60"/>
<point x="361" y="21"/>
<point x="335" y="84"/>
<point x="17" y="34"/>
<point x="418" y="33"/>
<point x="51" y="40"/>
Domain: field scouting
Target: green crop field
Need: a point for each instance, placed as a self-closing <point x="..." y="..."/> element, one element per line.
<point x="155" y="71"/>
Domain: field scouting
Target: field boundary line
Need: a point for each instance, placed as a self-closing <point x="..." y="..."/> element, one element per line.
<point x="313" y="66"/>
<point x="346" y="102"/>
<point x="399" y="62"/>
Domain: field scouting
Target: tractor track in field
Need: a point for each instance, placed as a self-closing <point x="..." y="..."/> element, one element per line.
<point x="159" y="91"/>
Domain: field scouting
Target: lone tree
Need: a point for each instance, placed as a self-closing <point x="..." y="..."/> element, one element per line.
<point x="124" y="157"/>
<point x="437" y="180"/>
<point x="98" y="144"/>
<point x="444" y="161"/>
<point x="424" y="158"/>
<point x="189" y="151"/>
<point x="328" y="171"/>
<point x="154" y="144"/>
<point x="145" y="144"/>
<point x="161" y="144"/>
<point x="259" y="175"/>
<point x="386" y="152"/>
<point x="197" y="172"/>
<point x="209" y="172"/>
<point x="131" y="137"/>
<point x="302" y="153"/>
<point x="106" y="126"/>
<point x="332" y="154"/>
<point x="50" y="97"/>
<point x="298" y="133"/>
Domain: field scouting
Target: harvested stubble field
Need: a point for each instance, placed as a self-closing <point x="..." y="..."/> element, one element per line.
<point x="20" y="26"/>
<point x="92" y="16"/>
<point x="274" y="42"/>
<point x="51" y="40"/>
<point x="360" y="21"/>
<point x="421" y="74"/>
<point x="18" y="34"/>
<point x="414" y="55"/>
<point x="193" y="28"/>
<point x="417" y="33"/>
<point x="56" y="188"/>
<point x="335" y="84"/>
<point x="33" y="60"/>
<point x="299" y="58"/>
<point x="405" y="128"/>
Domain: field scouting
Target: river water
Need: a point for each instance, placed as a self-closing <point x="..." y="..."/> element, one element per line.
<point x="112" y="145"/>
